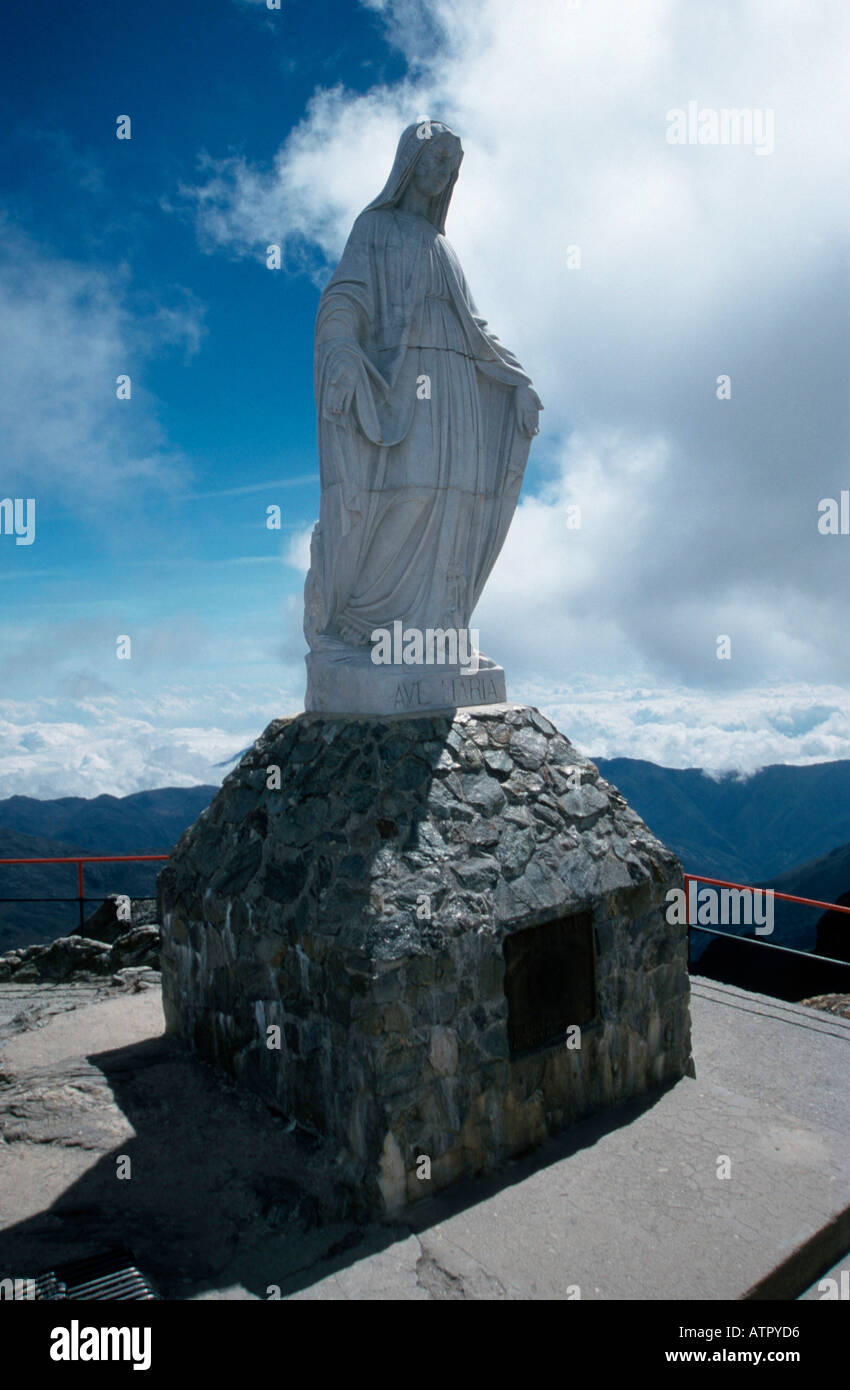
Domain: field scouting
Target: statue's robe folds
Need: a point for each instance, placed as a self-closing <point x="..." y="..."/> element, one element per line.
<point x="420" y="478"/>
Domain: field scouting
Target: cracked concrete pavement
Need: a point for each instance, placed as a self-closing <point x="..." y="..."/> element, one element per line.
<point x="226" y="1201"/>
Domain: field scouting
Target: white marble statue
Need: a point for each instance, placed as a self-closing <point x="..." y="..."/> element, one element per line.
<point x="425" y="422"/>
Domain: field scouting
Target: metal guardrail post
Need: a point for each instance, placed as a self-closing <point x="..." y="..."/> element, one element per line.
<point x="79" y="860"/>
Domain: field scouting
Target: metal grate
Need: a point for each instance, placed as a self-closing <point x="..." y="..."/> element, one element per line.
<point x="549" y="981"/>
<point x="110" y="1275"/>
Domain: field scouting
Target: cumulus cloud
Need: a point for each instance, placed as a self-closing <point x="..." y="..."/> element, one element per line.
<point x="298" y="551"/>
<point x="69" y="332"/>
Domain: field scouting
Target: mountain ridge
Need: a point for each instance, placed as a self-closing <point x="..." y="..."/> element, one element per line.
<point x="745" y="829"/>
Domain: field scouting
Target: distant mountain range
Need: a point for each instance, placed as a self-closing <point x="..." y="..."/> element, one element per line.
<point x="785" y="827"/>
<point x="145" y="823"/>
<point x="110" y="824"/>
<point x="802" y="928"/>
<point x="828" y="880"/>
<point x="748" y="830"/>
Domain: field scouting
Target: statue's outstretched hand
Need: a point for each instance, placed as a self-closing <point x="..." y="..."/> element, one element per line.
<point x="527" y="404"/>
<point x="340" y="391"/>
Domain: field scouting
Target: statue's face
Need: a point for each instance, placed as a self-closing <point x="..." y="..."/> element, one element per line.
<point x="436" y="165"/>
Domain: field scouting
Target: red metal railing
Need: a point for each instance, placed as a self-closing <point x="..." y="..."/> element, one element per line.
<point x="748" y="888"/>
<point x="79" y="860"/>
<point x="759" y="941"/>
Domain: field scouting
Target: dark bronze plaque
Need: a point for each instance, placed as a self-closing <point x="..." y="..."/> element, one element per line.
<point x="549" y="980"/>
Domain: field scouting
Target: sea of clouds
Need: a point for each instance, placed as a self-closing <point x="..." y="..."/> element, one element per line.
<point x="182" y="736"/>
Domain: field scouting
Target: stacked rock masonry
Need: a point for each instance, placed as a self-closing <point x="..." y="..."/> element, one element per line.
<point x="456" y="925"/>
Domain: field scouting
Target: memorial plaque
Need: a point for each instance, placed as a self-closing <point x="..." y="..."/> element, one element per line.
<point x="550" y="981"/>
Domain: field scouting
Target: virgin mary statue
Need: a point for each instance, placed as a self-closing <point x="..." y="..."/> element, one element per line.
<point x="424" y="424"/>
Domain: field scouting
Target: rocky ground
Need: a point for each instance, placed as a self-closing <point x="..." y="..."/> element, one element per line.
<point x="121" y="934"/>
<point x="833" y="1003"/>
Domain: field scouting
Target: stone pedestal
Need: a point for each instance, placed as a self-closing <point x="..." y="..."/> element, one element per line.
<point x="342" y="679"/>
<point x="452" y="925"/>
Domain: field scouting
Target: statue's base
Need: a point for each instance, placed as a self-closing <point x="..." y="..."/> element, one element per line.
<point x="347" y="681"/>
<point x="430" y="941"/>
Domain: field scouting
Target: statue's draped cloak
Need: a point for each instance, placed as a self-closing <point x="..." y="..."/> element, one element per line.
<point x="420" y="479"/>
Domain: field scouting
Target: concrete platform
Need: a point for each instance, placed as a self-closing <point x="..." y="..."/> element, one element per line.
<point x="225" y="1200"/>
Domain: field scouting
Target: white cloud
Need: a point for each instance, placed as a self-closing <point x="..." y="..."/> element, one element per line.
<point x="298" y="551"/>
<point x="124" y="742"/>
<point x="68" y="334"/>
<point x="245" y="488"/>
<point x="678" y="727"/>
<point x="121" y="742"/>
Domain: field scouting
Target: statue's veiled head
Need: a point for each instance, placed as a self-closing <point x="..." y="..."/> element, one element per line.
<point x="429" y="156"/>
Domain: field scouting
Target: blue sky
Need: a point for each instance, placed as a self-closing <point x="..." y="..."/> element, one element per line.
<point x="226" y="406"/>
<point x="249" y="127"/>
